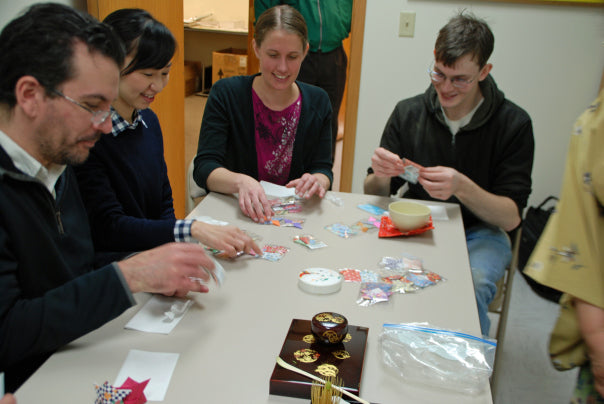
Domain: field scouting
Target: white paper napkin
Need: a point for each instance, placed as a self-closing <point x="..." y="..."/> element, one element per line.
<point x="152" y="316"/>
<point x="143" y="365"/>
<point x="438" y="212"/>
<point x="209" y="220"/>
<point x="278" y="191"/>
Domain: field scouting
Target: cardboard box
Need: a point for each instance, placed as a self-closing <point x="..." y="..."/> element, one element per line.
<point x="192" y="77"/>
<point x="228" y="62"/>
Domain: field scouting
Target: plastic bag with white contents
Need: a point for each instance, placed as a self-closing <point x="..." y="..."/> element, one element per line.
<point x="437" y="357"/>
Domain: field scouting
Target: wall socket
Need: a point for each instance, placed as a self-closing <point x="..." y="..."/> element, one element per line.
<point x="406" y="26"/>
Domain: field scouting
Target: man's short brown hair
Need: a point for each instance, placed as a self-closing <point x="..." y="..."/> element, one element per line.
<point x="464" y="34"/>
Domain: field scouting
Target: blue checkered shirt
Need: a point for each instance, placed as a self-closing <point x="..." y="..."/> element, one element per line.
<point x="182" y="231"/>
<point x="120" y="124"/>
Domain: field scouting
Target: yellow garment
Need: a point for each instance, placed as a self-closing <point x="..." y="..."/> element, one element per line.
<point x="569" y="256"/>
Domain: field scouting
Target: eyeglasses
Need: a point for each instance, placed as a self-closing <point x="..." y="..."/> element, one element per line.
<point x="457" y="82"/>
<point x="97" y="118"/>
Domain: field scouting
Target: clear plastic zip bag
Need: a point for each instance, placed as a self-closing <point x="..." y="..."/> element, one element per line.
<point x="440" y="358"/>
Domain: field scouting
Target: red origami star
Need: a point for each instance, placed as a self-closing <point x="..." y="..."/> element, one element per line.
<point x="137" y="396"/>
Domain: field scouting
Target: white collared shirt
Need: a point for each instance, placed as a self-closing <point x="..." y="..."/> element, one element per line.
<point x="29" y="165"/>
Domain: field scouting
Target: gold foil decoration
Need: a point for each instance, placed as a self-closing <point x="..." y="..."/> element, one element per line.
<point x="331" y="335"/>
<point x="324" y="317"/>
<point x="306" y="355"/>
<point x="327" y="369"/>
<point x="341" y="354"/>
<point x="309" y="339"/>
<point x="337" y="319"/>
<point x="347" y="338"/>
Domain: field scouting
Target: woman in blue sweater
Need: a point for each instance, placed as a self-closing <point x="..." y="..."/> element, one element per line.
<point x="267" y="126"/>
<point x="124" y="182"/>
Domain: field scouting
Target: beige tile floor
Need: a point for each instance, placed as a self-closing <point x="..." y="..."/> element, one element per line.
<point x="526" y="374"/>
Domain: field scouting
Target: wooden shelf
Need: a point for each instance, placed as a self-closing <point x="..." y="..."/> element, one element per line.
<point x="217" y="30"/>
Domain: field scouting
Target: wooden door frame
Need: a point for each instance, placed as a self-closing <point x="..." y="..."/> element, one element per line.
<point x="357" y="33"/>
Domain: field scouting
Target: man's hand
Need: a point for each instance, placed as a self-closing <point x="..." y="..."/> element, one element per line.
<point x="440" y="182"/>
<point x="386" y="164"/>
<point x="229" y="239"/>
<point x="8" y="399"/>
<point x="167" y="269"/>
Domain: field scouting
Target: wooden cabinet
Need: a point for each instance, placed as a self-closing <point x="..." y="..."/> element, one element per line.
<point x="169" y="104"/>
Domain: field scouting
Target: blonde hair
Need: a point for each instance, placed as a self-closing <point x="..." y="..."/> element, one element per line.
<point x="282" y="17"/>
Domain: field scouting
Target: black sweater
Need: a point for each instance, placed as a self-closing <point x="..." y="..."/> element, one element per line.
<point x="49" y="293"/>
<point x="495" y="150"/>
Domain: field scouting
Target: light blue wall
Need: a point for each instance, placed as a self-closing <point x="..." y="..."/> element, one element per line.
<point x="547" y="59"/>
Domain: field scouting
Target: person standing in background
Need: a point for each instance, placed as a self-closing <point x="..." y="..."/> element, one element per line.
<point x="569" y="257"/>
<point x="328" y="23"/>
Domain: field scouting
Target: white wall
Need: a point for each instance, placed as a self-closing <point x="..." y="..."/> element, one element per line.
<point x="9" y="9"/>
<point x="547" y="59"/>
<point x="222" y="10"/>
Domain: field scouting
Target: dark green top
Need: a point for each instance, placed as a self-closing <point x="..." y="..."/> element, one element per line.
<point x="328" y="21"/>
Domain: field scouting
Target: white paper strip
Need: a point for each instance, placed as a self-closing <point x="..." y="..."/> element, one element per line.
<point x="152" y="318"/>
<point x="143" y="365"/>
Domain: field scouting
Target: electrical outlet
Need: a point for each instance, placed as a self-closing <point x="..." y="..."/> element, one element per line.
<point x="406" y="26"/>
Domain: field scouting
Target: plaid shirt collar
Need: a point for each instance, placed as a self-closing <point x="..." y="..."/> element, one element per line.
<point x="120" y="124"/>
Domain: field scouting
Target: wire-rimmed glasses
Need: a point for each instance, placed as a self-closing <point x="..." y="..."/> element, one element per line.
<point x="457" y="82"/>
<point x="97" y="118"/>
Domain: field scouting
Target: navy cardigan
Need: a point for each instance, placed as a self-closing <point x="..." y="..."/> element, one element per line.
<point x="126" y="191"/>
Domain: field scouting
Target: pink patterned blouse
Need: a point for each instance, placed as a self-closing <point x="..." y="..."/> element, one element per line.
<point x="275" y="134"/>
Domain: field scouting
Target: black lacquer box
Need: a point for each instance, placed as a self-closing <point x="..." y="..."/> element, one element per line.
<point x="302" y="350"/>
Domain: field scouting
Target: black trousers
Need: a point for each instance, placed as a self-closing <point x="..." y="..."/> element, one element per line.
<point x="328" y="71"/>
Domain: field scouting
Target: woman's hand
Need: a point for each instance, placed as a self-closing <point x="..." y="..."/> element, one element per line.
<point x="229" y="239"/>
<point x="252" y="199"/>
<point x="309" y="185"/>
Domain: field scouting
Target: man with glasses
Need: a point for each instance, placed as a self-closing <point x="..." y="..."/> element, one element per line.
<point x="472" y="146"/>
<point x="59" y="72"/>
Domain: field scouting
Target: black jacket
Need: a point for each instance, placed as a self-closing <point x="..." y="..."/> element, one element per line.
<point x="49" y="292"/>
<point x="495" y="150"/>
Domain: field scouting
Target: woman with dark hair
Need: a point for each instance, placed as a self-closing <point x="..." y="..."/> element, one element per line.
<point x="124" y="183"/>
<point x="267" y="126"/>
